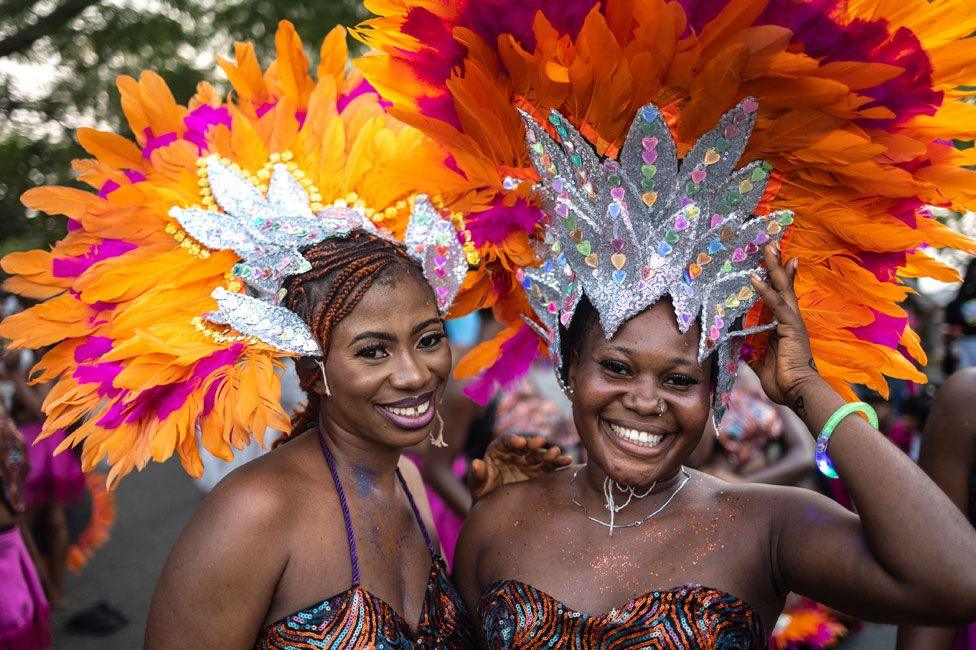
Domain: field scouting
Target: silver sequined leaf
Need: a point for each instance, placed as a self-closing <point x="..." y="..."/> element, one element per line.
<point x="268" y="233"/>
<point x="216" y="233"/>
<point x="274" y="325"/>
<point x="646" y="226"/>
<point x="432" y="240"/>
<point x="264" y="273"/>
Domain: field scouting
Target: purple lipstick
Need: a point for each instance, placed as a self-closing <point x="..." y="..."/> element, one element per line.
<point x="411" y="413"/>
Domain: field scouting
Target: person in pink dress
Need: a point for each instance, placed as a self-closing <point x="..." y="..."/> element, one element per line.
<point x="54" y="480"/>
<point x="24" y="612"/>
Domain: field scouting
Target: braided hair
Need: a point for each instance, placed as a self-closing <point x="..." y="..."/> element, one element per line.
<point x="343" y="270"/>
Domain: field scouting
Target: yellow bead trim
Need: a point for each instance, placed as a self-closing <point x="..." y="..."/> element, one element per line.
<point x="226" y="335"/>
<point x="316" y="202"/>
<point x="258" y="179"/>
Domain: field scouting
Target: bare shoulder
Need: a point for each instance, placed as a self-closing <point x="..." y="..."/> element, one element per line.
<point x="268" y="493"/>
<point x="236" y="542"/>
<point x="762" y="505"/>
<point x="262" y="488"/>
<point x="515" y="510"/>
<point x="514" y="499"/>
<point x="243" y="505"/>
<point x="493" y="521"/>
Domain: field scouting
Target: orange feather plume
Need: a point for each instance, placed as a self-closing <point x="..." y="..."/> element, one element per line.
<point x="122" y="290"/>
<point x="858" y="103"/>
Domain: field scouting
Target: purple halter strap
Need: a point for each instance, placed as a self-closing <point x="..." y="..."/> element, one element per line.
<point x="347" y="520"/>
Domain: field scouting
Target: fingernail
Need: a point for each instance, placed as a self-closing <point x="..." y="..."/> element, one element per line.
<point x="796" y="263"/>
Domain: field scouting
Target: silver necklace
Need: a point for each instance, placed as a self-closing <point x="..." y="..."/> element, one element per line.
<point x="608" y="487"/>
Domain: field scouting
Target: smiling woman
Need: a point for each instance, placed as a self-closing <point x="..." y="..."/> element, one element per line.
<point x="347" y="296"/>
<point x="690" y="560"/>
<point x="647" y="349"/>
<point x="387" y="377"/>
<point x="620" y="417"/>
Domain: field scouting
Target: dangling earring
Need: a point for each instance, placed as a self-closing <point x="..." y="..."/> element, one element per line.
<point x="715" y="424"/>
<point x="325" y="380"/>
<point x="439" y="440"/>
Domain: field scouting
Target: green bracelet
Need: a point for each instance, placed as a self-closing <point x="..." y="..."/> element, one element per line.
<point x="823" y="460"/>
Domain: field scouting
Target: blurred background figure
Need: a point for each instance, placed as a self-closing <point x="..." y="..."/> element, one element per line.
<point x="24" y="611"/>
<point x="66" y="515"/>
<point x="54" y="480"/>
<point x="960" y="321"/>
<point x="948" y="455"/>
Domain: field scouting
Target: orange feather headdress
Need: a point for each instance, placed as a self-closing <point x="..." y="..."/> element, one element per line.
<point x="123" y="292"/>
<point x="860" y="103"/>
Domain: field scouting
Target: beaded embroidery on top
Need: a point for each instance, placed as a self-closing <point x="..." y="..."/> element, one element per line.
<point x="628" y="232"/>
<point x="266" y="230"/>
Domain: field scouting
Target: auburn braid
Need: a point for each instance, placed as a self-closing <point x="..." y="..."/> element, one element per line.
<point x="343" y="270"/>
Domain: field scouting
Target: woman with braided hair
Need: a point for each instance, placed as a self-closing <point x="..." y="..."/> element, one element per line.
<point x="352" y="265"/>
<point x="268" y="532"/>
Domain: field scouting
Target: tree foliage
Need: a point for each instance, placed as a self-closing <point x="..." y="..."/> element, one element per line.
<point x="59" y="60"/>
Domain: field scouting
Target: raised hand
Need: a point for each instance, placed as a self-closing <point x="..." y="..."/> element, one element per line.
<point x="789" y="361"/>
<point x="510" y="459"/>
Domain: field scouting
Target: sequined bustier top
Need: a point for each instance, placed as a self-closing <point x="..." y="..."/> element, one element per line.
<point x="355" y="618"/>
<point x="517" y="615"/>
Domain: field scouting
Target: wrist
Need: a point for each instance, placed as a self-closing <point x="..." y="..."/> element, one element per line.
<point x="813" y="400"/>
<point x="803" y="388"/>
<point x="824" y="463"/>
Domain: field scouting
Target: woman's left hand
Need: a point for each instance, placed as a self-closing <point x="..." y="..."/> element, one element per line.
<point x="788" y="363"/>
<point x="510" y="459"/>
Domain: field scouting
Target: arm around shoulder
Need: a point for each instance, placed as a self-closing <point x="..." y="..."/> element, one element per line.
<point x="217" y="584"/>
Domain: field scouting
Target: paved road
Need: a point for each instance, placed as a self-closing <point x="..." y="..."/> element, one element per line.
<point x="153" y="507"/>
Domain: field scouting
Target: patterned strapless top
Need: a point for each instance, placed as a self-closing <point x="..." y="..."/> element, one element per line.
<point x="355" y="618"/>
<point x="517" y="615"/>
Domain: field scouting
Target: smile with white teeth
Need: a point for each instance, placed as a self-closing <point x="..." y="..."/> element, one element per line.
<point x="641" y="438"/>
<point x="412" y="412"/>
